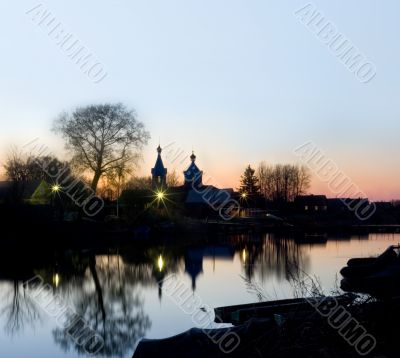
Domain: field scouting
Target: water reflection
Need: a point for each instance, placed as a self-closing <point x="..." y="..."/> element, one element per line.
<point x="108" y="288"/>
<point x="100" y="289"/>
<point x="194" y="258"/>
<point x="278" y="256"/>
<point x="18" y="309"/>
<point x="111" y="305"/>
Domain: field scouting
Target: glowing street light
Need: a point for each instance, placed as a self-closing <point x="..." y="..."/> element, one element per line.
<point x="244" y="195"/>
<point x="55" y="188"/>
<point x="160" y="196"/>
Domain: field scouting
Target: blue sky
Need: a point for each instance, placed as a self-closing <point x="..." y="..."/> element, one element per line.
<point x="239" y="81"/>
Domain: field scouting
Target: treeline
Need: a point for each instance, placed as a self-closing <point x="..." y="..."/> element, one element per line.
<point x="21" y="168"/>
<point x="278" y="183"/>
<point x="283" y="182"/>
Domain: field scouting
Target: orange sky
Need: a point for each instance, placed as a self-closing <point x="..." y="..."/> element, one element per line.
<point x="224" y="169"/>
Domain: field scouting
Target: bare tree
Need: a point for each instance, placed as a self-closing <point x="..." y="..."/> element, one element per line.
<point x="173" y="179"/>
<point x="302" y="180"/>
<point x="283" y="182"/>
<point x="115" y="181"/>
<point x="264" y="174"/>
<point x="102" y="137"/>
<point x="21" y="167"/>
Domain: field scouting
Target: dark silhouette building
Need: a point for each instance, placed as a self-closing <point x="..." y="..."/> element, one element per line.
<point x="199" y="200"/>
<point x="159" y="172"/>
<point x="193" y="175"/>
<point x="311" y="203"/>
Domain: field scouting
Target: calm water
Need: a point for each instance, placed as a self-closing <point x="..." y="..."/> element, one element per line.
<point x="117" y="293"/>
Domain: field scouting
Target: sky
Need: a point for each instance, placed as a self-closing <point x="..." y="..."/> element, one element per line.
<point x="236" y="81"/>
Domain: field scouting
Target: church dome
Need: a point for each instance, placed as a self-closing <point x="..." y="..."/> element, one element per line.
<point x="159" y="172"/>
<point x="193" y="175"/>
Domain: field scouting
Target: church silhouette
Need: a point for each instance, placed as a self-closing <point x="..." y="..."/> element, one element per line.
<point x="199" y="199"/>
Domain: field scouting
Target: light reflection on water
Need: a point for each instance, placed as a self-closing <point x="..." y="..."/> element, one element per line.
<point x="118" y="292"/>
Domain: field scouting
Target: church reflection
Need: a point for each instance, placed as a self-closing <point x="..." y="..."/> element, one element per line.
<point x="105" y="286"/>
<point x="266" y="256"/>
<point x="194" y="259"/>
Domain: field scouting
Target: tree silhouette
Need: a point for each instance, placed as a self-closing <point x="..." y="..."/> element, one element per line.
<point x="249" y="187"/>
<point x="283" y="182"/>
<point x="173" y="179"/>
<point x="19" y="309"/>
<point x="108" y="303"/>
<point x="102" y="137"/>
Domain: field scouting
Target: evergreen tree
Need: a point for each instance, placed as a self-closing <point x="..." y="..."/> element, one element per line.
<point x="249" y="187"/>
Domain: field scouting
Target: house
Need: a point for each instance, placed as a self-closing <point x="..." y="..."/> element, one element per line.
<point x="311" y="203"/>
<point x="340" y="205"/>
<point x="34" y="190"/>
<point x="383" y="205"/>
<point x="336" y="205"/>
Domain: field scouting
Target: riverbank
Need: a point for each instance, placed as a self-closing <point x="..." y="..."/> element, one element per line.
<point x="322" y="327"/>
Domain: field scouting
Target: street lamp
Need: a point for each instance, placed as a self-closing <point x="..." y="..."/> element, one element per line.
<point x="160" y="196"/>
<point x="55" y="188"/>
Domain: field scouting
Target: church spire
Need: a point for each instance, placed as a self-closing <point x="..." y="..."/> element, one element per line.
<point x="159" y="172"/>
